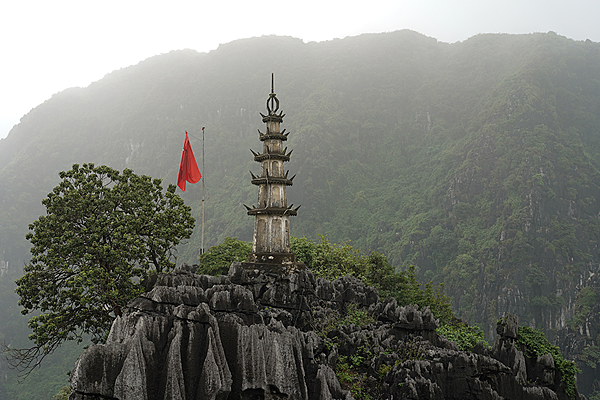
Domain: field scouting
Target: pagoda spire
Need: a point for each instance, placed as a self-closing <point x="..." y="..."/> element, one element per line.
<point x="271" y="239"/>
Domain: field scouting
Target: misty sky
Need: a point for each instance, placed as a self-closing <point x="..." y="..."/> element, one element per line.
<point x="48" y="46"/>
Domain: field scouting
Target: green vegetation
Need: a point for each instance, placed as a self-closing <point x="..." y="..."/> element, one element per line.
<point x="217" y="259"/>
<point x="591" y="356"/>
<point x="330" y="261"/>
<point x="536" y="344"/>
<point x="466" y="337"/>
<point x="587" y="298"/>
<point x="477" y="162"/>
<point x="410" y="351"/>
<point x="353" y="315"/>
<point x="351" y="369"/>
<point x="64" y="393"/>
<point x="43" y="382"/>
<point x="103" y="232"/>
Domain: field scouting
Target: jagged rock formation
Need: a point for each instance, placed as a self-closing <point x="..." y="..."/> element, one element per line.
<point x="251" y="335"/>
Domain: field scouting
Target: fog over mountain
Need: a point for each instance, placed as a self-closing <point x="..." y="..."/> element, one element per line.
<point x="54" y="46"/>
<point x="476" y="161"/>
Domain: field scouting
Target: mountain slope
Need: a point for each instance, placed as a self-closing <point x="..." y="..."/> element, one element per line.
<point x="476" y="161"/>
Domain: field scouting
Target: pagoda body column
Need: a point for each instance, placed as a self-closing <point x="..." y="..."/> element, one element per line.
<point x="271" y="239"/>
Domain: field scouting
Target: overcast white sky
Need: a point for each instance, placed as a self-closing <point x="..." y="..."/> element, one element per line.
<point x="50" y="45"/>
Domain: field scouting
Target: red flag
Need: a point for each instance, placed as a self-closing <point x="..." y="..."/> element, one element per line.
<point x="188" y="168"/>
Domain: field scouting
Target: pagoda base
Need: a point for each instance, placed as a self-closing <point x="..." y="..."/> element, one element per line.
<point x="277" y="263"/>
<point x="272" y="258"/>
<point x="271" y="268"/>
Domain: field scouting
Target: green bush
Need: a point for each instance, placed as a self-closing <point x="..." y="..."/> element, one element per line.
<point x="354" y="315"/>
<point x="331" y="261"/>
<point x="465" y="336"/>
<point x="536" y="344"/>
<point x="217" y="259"/>
<point x="64" y="393"/>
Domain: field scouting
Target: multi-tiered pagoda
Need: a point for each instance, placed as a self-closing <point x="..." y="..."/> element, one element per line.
<point x="271" y="242"/>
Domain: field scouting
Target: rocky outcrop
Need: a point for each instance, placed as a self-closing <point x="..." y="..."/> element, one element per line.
<point x="257" y="335"/>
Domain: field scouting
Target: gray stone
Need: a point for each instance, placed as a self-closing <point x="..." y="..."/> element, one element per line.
<point x="508" y="326"/>
<point x="253" y="335"/>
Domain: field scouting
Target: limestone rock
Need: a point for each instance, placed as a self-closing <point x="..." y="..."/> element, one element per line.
<point x="508" y="327"/>
<point x="263" y="335"/>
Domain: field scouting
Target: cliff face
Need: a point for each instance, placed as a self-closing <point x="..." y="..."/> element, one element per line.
<point x="537" y="205"/>
<point x="251" y="335"/>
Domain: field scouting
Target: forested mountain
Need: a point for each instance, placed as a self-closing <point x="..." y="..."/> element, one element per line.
<point x="478" y="161"/>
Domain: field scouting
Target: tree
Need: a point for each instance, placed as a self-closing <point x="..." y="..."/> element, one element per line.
<point x="104" y="232"/>
<point x="217" y="259"/>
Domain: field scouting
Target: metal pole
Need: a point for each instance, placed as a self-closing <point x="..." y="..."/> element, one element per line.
<point x="203" y="179"/>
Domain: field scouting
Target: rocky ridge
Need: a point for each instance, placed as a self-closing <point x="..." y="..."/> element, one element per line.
<point x="254" y="335"/>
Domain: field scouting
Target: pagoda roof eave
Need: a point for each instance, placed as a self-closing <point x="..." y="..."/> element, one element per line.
<point x="271" y="156"/>
<point x="273" y="211"/>
<point x="265" y="181"/>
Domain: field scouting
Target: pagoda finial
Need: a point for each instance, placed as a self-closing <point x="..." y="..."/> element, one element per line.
<point x="272" y="101"/>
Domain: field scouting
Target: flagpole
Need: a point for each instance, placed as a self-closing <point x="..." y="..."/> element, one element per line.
<point x="203" y="178"/>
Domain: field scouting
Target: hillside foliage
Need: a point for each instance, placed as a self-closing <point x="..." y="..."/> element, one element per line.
<point x="477" y="162"/>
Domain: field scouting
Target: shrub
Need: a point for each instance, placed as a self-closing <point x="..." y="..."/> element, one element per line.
<point x="217" y="259"/>
<point x="536" y="344"/>
<point x="465" y="336"/>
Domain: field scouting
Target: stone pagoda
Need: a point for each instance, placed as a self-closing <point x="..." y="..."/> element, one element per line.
<point x="271" y="241"/>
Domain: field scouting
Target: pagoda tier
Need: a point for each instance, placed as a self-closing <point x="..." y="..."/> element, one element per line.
<point x="271" y="241"/>
<point x="272" y="180"/>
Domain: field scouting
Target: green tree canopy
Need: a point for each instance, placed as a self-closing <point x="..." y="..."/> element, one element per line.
<point x="217" y="259"/>
<point x="103" y="233"/>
